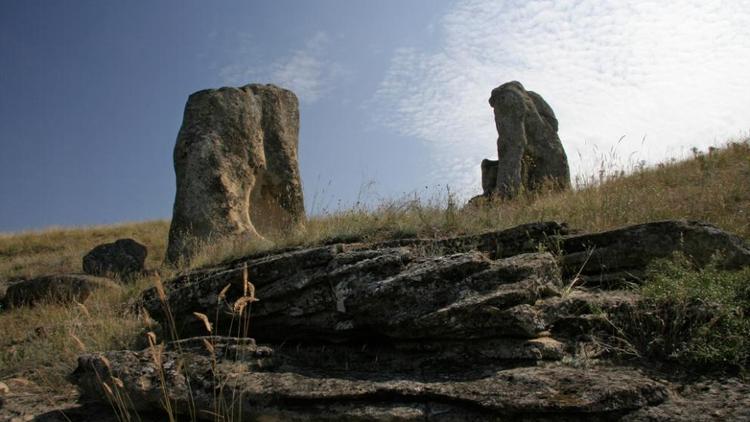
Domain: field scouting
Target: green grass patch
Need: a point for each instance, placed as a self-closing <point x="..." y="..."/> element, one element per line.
<point x="703" y="314"/>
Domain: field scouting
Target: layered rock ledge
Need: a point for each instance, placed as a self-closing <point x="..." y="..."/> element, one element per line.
<point x="505" y="325"/>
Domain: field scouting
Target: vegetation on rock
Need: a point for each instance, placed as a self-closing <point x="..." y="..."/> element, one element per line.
<point x="708" y="311"/>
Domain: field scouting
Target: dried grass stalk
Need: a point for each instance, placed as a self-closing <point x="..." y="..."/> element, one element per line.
<point x="118" y="382"/>
<point x="160" y="289"/>
<point x="79" y="343"/>
<point x="223" y="292"/>
<point x="83" y="309"/>
<point x="209" y="346"/>
<point x="241" y="303"/>
<point x="204" y="319"/>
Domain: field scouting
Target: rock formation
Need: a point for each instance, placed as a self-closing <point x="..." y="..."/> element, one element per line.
<point x="467" y="328"/>
<point x="124" y="258"/>
<point x="60" y="288"/>
<point x="530" y="154"/>
<point x="236" y="167"/>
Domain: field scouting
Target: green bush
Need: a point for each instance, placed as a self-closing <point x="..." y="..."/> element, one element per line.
<point x="708" y="311"/>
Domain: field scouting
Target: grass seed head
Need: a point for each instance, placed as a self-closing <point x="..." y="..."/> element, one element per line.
<point x="79" y="343"/>
<point x="209" y="346"/>
<point x="106" y="363"/>
<point x="160" y="289"/>
<point x="151" y="338"/>
<point x="223" y="292"/>
<point x="118" y="382"/>
<point x="83" y="309"/>
<point x="241" y="303"/>
<point x="107" y="389"/>
<point x="245" y="280"/>
<point x="204" y="319"/>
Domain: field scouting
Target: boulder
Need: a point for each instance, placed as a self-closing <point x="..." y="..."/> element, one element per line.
<point x="123" y="258"/>
<point x="236" y="166"/>
<point x="62" y="288"/>
<point x="530" y="153"/>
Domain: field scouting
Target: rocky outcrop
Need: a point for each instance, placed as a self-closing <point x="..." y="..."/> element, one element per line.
<point x="336" y="293"/>
<point x="377" y="287"/>
<point x="262" y="383"/>
<point x="530" y="153"/>
<point x="236" y="167"/>
<point x="364" y="287"/>
<point x="622" y="255"/>
<point x="123" y="258"/>
<point x="481" y="327"/>
<point x="62" y="288"/>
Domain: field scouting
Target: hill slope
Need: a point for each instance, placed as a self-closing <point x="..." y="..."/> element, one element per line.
<point x="42" y="343"/>
<point x="713" y="187"/>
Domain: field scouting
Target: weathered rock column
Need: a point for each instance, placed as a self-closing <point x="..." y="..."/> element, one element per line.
<point x="236" y="166"/>
<point x="529" y="150"/>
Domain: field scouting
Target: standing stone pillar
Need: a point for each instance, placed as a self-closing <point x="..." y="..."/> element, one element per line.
<point x="530" y="154"/>
<point x="236" y="166"/>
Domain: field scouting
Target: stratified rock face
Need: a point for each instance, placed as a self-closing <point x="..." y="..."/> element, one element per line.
<point x="264" y="384"/>
<point x="62" y="288"/>
<point x="530" y="152"/>
<point x="456" y="288"/>
<point x="480" y="327"/>
<point x="236" y="167"/>
<point x="124" y="258"/>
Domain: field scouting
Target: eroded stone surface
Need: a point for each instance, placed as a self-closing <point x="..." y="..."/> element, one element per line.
<point x="236" y="166"/>
<point x="725" y="399"/>
<point x="530" y="154"/>
<point x="390" y="292"/>
<point x="260" y="387"/>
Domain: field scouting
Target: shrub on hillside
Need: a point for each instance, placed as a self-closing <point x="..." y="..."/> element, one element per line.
<point x="697" y="316"/>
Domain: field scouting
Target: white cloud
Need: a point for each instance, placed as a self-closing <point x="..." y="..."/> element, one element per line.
<point x="672" y="72"/>
<point x="306" y="71"/>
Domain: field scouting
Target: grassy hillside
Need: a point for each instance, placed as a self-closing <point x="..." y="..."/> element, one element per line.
<point x="713" y="186"/>
<point x="59" y="250"/>
<point x="42" y="342"/>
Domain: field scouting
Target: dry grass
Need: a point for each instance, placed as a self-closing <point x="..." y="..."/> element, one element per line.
<point x="42" y="342"/>
<point x="60" y="250"/>
<point x="712" y="186"/>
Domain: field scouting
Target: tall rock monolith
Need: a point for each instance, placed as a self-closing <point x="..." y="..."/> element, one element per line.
<point x="530" y="154"/>
<point x="236" y="166"/>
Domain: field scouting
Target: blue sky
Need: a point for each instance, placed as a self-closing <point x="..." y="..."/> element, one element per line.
<point x="391" y="92"/>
